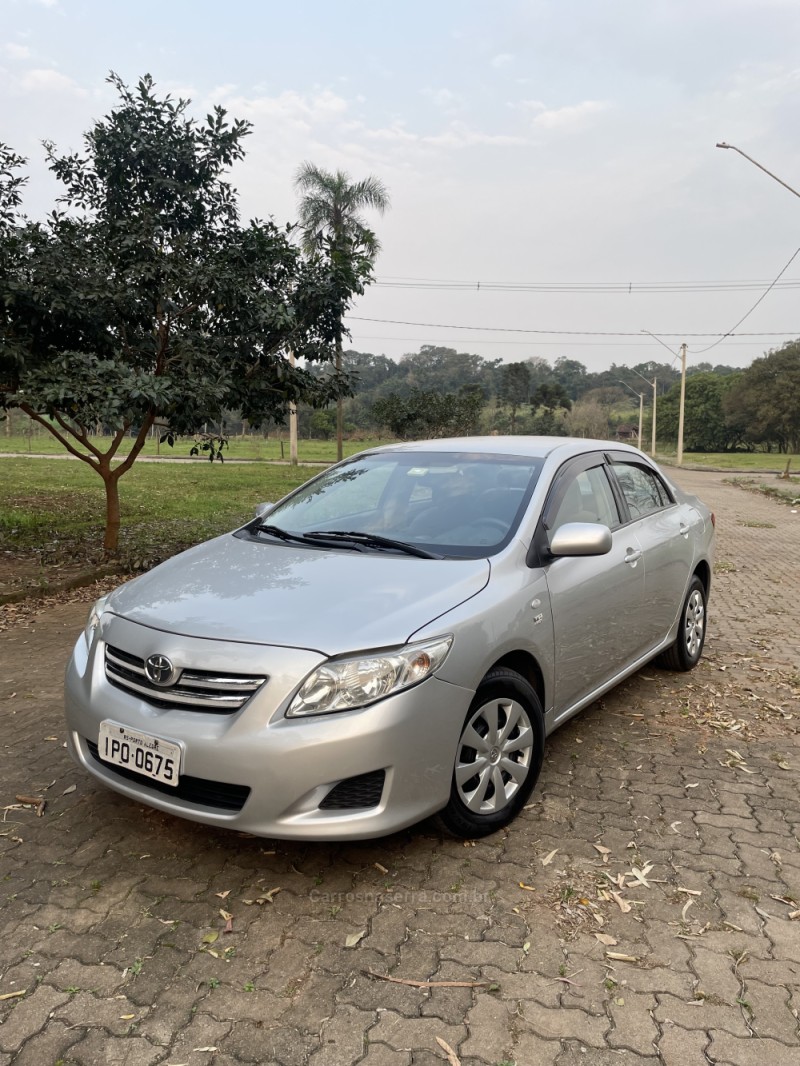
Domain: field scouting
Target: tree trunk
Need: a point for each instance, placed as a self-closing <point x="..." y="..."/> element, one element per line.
<point x="111" y="482"/>
<point x="339" y="410"/>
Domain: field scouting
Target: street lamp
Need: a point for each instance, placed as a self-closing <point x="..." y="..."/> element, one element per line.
<point x="641" y="408"/>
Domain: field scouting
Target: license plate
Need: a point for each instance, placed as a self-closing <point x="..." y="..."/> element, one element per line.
<point x="149" y="756"/>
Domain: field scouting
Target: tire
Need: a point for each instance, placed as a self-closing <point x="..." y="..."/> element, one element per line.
<point x="685" y="653"/>
<point x="502" y="740"/>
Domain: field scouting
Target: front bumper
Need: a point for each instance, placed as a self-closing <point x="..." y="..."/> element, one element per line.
<point x="289" y="766"/>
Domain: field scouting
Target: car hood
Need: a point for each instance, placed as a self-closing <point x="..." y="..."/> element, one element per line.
<point x="333" y="602"/>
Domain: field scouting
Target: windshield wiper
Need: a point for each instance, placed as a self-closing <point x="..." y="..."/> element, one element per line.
<point x="370" y="540"/>
<point x="281" y="534"/>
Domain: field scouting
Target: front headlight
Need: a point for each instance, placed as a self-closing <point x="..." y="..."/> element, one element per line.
<point x="93" y="621"/>
<point x="344" y="684"/>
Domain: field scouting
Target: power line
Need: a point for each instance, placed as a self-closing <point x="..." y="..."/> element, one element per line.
<point x="567" y="332"/>
<point x="755" y="305"/>
<point x="531" y="343"/>
<point x="626" y="287"/>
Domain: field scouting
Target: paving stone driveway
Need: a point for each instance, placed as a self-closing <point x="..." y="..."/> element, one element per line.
<point x="645" y="908"/>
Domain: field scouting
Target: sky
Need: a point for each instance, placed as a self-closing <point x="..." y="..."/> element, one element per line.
<point x="554" y="181"/>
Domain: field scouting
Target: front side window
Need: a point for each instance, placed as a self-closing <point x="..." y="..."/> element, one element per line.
<point x="588" y="498"/>
<point x="643" y="490"/>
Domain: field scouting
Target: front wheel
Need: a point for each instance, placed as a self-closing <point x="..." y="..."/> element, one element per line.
<point x="685" y="653"/>
<point x="498" y="758"/>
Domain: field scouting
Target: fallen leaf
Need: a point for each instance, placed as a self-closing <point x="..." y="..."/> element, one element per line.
<point x="225" y="915"/>
<point x="549" y="858"/>
<point x="11" y="995"/>
<point x="67" y="791"/>
<point x="353" y="938"/>
<point x="526" y="947"/>
<point x="205" y="1049"/>
<point x="695" y="785"/>
<point x="126" y="1017"/>
<point x="784" y="765"/>
<point x="673" y="825"/>
<point x="223" y="895"/>
<point x="794" y="915"/>
<point x="452" y="1058"/>
<point x="623" y="904"/>
<point x="690" y="891"/>
<point x="619" y="957"/>
<point x="381" y="869"/>
<point x="528" y="888"/>
<point x="211" y="938"/>
<point x="607" y="939"/>
<point x="689" y="903"/>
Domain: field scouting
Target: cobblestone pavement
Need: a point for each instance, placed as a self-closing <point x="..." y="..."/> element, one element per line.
<point x="644" y="908"/>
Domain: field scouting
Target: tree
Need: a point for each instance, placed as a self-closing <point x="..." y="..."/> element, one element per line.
<point x="514" y="390"/>
<point x="143" y="301"/>
<point x="430" y="414"/>
<point x="763" y="401"/>
<point x="334" y="230"/>
<point x="704" y="428"/>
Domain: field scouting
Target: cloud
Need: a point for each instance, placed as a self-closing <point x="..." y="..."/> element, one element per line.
<point x="559" y="117"/>
<point x="504" y="59"/>
<point x="293" y="109"/>
<point x="445" y="99"/>
<point x="17" y="51"/>
<point x="39" y="80"/>
<point x="459" y="135"/>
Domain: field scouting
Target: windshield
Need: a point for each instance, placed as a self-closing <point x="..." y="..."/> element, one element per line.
<point x="456" y="504"/>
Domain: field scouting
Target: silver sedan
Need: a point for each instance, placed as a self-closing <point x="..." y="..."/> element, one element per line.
<point x="394" y="639"/>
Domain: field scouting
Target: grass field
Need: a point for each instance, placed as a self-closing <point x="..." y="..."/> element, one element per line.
<point x="56" y="508"/>
<point x="250" y="447"/>
<point x="744" y="461"/>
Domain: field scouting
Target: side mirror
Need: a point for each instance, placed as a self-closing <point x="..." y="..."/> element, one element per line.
<point x="263" y="509"/>
<point x="581" y="538"/>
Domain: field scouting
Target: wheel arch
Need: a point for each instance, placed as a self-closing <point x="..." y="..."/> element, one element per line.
<point x="524" y="664"/>
<point x="703" y="571"/>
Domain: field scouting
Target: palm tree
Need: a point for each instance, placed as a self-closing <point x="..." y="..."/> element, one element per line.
<point x="330" y="215"/>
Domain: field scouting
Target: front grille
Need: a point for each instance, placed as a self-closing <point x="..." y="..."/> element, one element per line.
<point x="356" y="792"/>
<point x="194" y="690"/>
<point x="218" y="794"/>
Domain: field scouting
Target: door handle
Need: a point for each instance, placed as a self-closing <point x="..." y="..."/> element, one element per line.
<point x="632" y="556"/>
<point x="684" y="530"/>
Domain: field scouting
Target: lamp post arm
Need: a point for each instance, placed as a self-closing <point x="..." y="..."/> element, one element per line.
<point x="722" y="144"/>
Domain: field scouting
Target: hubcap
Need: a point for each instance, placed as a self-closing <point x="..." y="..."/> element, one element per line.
<point x="695" y="620"/>
<point x="494" y="756"/>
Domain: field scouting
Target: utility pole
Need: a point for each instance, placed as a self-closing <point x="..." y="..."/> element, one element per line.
<point x="683" y="400"/>
<point x="653" y="385"/>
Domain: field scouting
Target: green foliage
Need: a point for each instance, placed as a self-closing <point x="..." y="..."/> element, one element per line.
<point x="705" y="428"/>
<point x="423" y="415"/>
<point x="763" y="401"/>
<point x="142" y="300"/>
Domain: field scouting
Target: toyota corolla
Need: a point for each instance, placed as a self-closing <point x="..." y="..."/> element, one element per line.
<point x="394" y="639"/>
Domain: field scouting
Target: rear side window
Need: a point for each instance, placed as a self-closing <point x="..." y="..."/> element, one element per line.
<point x="643" y="490"/>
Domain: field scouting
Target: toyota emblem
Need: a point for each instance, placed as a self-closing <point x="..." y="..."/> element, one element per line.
<point x="159" y="670"/>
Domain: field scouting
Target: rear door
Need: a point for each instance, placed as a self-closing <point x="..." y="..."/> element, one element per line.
<point x="598" y="602"/>
<point x="664" y="528"/>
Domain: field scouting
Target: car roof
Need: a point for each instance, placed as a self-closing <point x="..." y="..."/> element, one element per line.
<point x="535" y="447"/>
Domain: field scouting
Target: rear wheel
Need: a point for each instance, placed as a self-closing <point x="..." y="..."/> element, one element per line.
<point x="498" y="758"/>
<point x="685" y="653"/>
